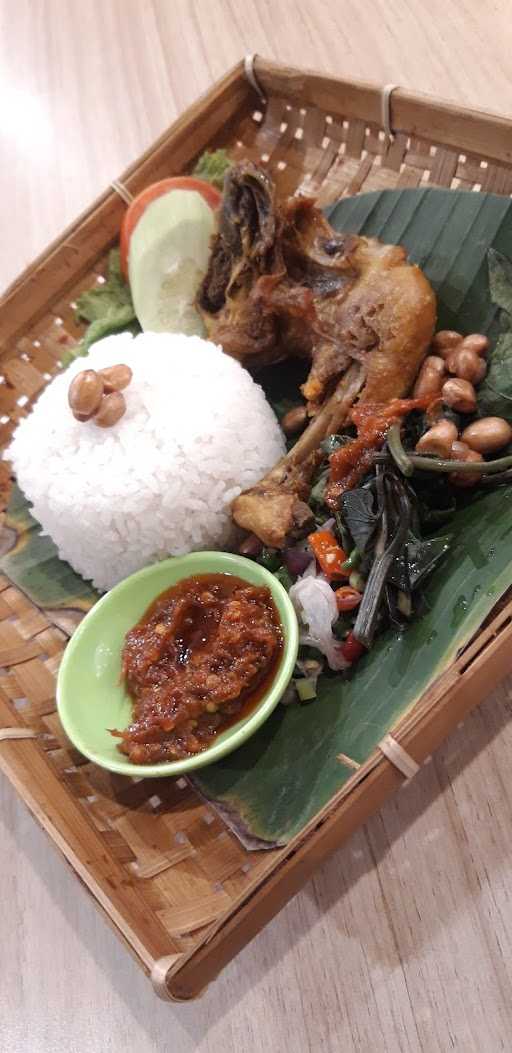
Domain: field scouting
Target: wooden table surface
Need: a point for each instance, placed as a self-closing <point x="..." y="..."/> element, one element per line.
<point x="403" y="941"/>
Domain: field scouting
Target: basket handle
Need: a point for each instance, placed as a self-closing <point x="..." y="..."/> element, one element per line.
<point x="398" y="756"/>
<point x="249" y="61"/>
<point x="161" y="971"/>
<point x="385" y="111"/>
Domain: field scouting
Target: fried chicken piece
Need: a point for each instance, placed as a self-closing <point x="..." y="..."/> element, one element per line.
<point x="282" y="282"/>
<point x="371" y="305"/>
<point x="296" y="287"/>
<point x="245" y="248"/>
<point x="275" y="509"/>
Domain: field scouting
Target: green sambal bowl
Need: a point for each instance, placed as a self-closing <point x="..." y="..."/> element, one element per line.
<point x="90" y="694"/>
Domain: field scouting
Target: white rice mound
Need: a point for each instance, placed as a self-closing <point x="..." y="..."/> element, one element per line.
<point x="197" y="431"/>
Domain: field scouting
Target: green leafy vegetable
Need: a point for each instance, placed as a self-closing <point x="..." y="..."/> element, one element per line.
<point x="212" y="166"/>
<point x="500" y="280"/>
<point x="270" y="558"/>
<point x="360" y="514"/>
<point x="394" y="518"/>
<point x="316" y="497"/>
<point x="108" y="308"/>
<point x="344" y="535"/>
<point x="418" y="559"/>
<point x="495" y="393"/>
<point x="284" y="576"/>
<point x="353" y="560"/>
<point x="435" y="500"/>
<point x="356" y="580"/>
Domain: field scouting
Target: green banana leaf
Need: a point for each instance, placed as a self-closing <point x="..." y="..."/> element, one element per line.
<point x="272" y="786"/>
<point x="30" y="560"/>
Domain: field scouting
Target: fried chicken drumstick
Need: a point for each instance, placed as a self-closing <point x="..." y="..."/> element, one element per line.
<point x="281" y="282"/>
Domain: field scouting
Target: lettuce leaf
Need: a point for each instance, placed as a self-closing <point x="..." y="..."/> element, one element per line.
<point x="108" y="309"/>
<point x="212" y="166"/>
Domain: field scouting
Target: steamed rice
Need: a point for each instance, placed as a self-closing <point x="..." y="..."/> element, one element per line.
<point x="197" y="431"/>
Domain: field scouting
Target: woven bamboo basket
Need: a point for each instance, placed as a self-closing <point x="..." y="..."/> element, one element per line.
<point x="174" y="882"/>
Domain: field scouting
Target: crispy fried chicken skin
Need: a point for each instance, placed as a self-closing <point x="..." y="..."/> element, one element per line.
<point x="282" y="282"/>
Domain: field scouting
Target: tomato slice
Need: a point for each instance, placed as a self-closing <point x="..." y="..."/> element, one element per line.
<point x="140" y="203"/>
<point x="347" y="598"/>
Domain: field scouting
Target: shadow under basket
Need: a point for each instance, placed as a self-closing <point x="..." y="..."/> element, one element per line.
<point x="173" y="880"/>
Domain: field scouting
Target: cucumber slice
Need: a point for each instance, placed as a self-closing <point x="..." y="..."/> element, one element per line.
<point x="168" y="259"/>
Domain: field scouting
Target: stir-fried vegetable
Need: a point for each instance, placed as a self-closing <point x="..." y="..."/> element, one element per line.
<point x="315" y="603"/>
<point x="329" y="554"/>
<point x="347" y="598"/>
<point x="352" y="649"/>
<point x="395" y="513"/>
<point x="306" y="689"/>
<point x="297" y="560"/>
<point x="353" y="560"/>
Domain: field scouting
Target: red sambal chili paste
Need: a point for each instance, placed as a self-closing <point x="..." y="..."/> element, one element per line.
<point x="201" y="657"/>
<point x="351" y="462"/>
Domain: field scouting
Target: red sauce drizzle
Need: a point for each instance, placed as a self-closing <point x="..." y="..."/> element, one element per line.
<point x="351" y="462"/>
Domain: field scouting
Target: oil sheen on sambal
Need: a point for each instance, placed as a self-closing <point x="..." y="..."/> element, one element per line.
<point x="200" y="658"/>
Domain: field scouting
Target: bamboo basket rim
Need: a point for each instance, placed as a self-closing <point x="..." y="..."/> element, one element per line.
<point x="367" y="98"/>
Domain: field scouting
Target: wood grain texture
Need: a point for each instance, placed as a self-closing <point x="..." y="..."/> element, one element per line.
<point x="403" y="940"/>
